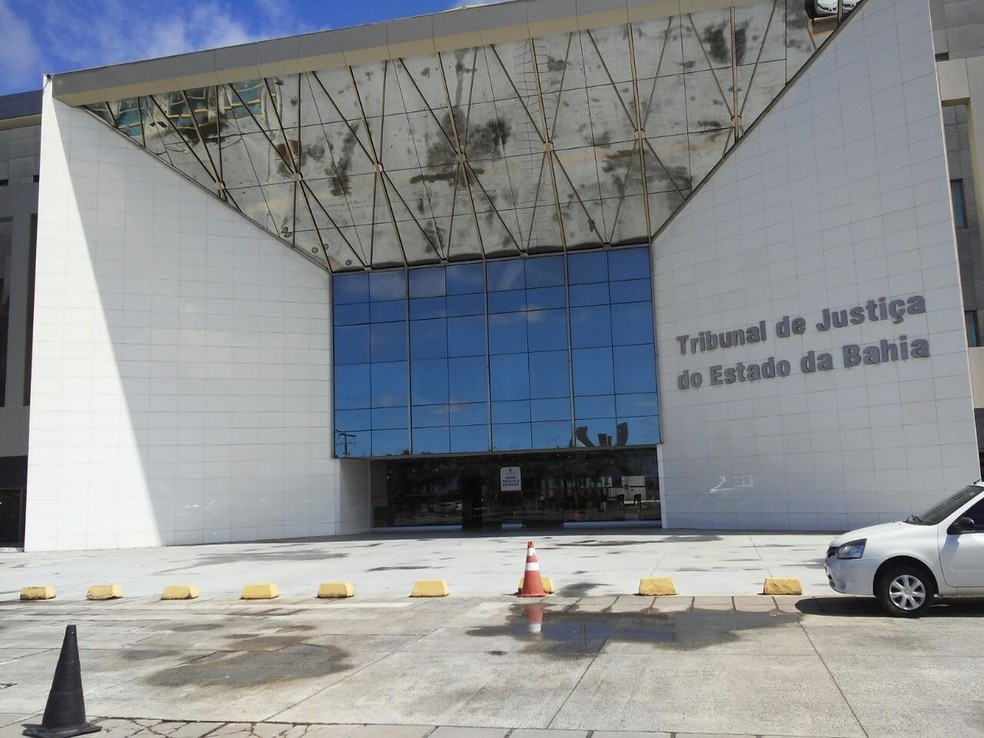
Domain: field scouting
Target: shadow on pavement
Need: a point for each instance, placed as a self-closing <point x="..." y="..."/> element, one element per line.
<point x="868" y="607"/>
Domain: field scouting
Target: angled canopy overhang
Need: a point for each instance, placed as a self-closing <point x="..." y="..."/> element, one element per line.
<point x="497" y="130"/>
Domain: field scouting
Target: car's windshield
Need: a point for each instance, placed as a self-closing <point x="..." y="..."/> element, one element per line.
<point x="939" y="512"/>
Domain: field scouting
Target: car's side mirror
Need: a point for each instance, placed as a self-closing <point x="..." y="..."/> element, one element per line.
<point x="961" y="525"/>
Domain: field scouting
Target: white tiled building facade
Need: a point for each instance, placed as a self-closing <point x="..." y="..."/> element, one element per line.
<point x="182" y="367"/>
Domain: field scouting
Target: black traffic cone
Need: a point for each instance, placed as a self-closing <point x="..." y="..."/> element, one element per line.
<point x="64" y="715"/>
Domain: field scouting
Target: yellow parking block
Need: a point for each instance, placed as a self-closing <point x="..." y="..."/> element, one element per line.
<point x="259" y="592"/>
<point x="778" y="586"/>
<point x="430" y="588"/>
<point x="656" y="587"/>
<point x="331" y="590"/>
<point x="104" y="592"/>
<point x="180" y="592"/>
<point x="38" y="593"/>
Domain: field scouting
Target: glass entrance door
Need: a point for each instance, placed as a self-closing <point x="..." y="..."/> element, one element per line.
<point x="526" y="489"/>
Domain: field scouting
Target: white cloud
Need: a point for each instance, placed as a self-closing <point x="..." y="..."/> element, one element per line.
<point x="466" y="3"/>
<point x="20" y="56"/>
<point x="90" y="33"/>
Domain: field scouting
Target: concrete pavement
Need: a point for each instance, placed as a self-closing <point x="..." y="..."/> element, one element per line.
<point x="592" y="661"/>
<point x="581" y="562"/>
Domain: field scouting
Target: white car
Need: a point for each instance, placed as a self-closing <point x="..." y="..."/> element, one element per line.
<point x="825" y="8"/>
<point x="906" y="564"/>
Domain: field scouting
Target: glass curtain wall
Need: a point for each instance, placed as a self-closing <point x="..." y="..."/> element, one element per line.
<point x="520" y="354"/>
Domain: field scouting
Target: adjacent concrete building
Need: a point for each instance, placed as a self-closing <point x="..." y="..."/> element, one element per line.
<point x="540" y="262"/>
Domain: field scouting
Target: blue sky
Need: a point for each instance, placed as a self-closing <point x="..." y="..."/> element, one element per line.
<point x="38" y="37"/>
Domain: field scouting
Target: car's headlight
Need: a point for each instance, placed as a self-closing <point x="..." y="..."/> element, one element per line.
<point x="851" y="549"/>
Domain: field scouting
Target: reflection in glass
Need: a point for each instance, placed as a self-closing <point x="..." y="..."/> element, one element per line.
<point x="352" y="344"/>
<point x="511" y="436"/>
<point x="549" y="374"/>
<point x="466" y="336"/>
<point x="402" y="369"/>
<point x="510" y="377"/>
<point x="431" y="440"/>
<point x="371" y="148"/>
<point x="467" y="379"/>
<point x="469" y="438"/>
<point x="593" y="371"/>
<point x="429" y="382"/>
<point x="429" y="338"/>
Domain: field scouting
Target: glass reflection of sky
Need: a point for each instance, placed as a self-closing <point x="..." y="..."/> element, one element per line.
<point x="515" y="354"/>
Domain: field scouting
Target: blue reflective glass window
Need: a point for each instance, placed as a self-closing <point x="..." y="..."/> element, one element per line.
<point x="554" y="409"/>
<point x="431" y="440"/>
<point x="351" y="421"/>
<point x="384" y="418"/>
<point x="513" y="411"/>
<point x="551" y="435"/>
<point x="387" y="286"/>
<point x="635" y="290"/>
<point x="352" y="387"/>
<point x="351" y="344"/>
<point x="468" y="379"/>
<point x="588" y="267"/>
<point x="632" y="323"/>
<point x="466" y="304"/>
<point x="464" y="279"/>
<point x="547" y="330"/>
<point x="635" y="369"/>
<point x="429" y="381"/>
<point x="546" y="297"/>
<point x="427" y="282"/>
<point x="511" y="436"/>
<point x="597" y="431"/>
<point x="594" y="406"/>
<point x="593" y="373"/>
<point x="469" y="413"/>
<point x="388" y="310"/>
<point x="466" y="336"/>
<point x="507" y="333"/>
<point x="507" y="302"/>
<point x="390" y="442"/>
<point x="510" y="377"/>
<point x="629" y="263"/>
<point x="349" y="288"/>
<point x="591" y="326"/>
<point x="390" y="384"/>
<point x="430" y="416"/>
<point x="388" y="341"/>
<point x="353" y="443"/>
<point x="505" y="275"/>
<point x="641" y="430"/>
<point x="351" y="314"/>
<point x="428" y="307"/>
<point x="549" y="374"/>
<point x="429" y="339"/>
<point x="637" y="404"/>
<point x="545" y="271"/>
<point x="589" y="294"/>
<point x="469" y="438"/>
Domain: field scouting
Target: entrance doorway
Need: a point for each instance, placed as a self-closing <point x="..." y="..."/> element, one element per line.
<point x="12" y="514"/>
<point x="530" y="489"/>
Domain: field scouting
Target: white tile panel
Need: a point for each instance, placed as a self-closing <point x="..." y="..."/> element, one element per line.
<point x="176" y="398"/>
<point x="837" y="196"/>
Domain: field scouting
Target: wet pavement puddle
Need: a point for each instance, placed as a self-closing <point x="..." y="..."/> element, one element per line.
<point x="574" y="634"/>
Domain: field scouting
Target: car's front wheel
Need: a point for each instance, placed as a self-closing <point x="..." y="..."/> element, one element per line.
<point x="811" y="8"/>
<point x="904" y="591"/>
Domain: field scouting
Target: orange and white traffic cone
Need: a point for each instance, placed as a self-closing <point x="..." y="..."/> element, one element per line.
<point x="532" y="583"/>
